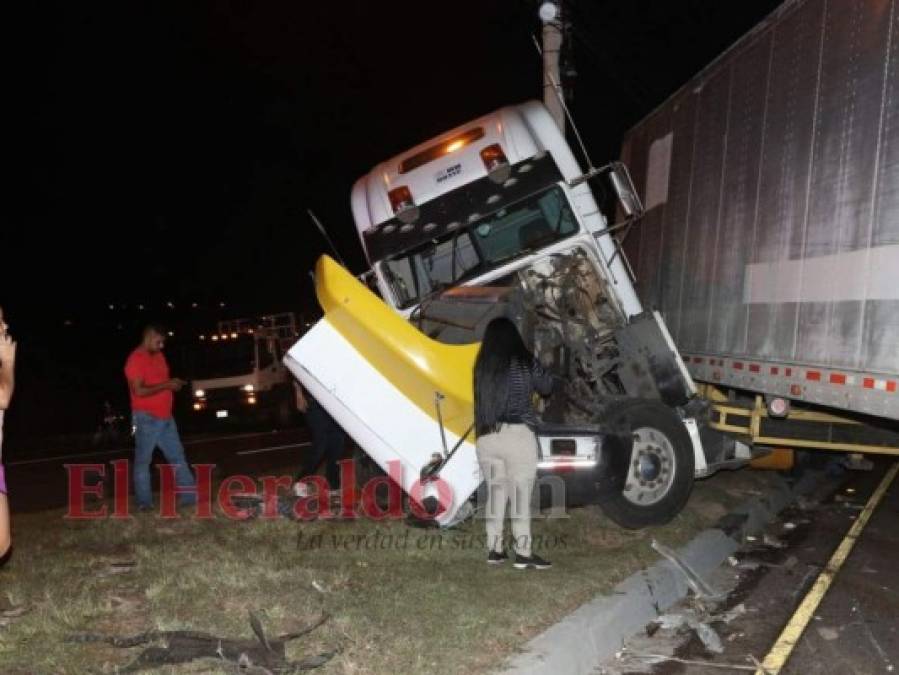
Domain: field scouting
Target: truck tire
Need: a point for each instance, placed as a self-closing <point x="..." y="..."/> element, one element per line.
<point x="660" y="472"/>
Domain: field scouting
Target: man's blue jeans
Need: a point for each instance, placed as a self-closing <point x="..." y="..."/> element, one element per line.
<point x="151" y="432"/>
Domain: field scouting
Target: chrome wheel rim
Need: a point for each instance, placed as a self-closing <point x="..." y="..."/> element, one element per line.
<point x="652" y="467"/>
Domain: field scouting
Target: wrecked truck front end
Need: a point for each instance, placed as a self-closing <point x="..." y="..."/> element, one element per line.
<point x="397" y="393"/>
<point x="407" y="400"/>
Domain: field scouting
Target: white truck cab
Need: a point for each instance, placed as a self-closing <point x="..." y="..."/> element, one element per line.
<point x="496" y="218"/>
<point x="425" y="181"/>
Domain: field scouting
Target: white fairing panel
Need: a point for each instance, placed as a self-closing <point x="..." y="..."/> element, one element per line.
<point x="380" y="418"/>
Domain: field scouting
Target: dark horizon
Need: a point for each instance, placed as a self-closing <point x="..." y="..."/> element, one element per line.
<point x="169" y="151"/>
<point x="172" y="150"/>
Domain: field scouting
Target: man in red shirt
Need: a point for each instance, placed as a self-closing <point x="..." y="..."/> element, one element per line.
<point x="152" y="396"/>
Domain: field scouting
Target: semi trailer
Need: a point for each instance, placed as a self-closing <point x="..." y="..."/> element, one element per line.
<point x="770" y="241"/>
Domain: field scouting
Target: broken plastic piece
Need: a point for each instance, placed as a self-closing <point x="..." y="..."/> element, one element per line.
<point x="699" y="586"/>
<point x="709" y="637"/>
<point x="772" y="541"/>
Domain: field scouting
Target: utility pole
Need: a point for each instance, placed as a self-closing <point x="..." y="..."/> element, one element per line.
<point x="551" y="16"/>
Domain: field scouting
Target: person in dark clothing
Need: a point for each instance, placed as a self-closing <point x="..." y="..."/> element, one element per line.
<point x="328" y="443"/>
<point x="506" y="377"/>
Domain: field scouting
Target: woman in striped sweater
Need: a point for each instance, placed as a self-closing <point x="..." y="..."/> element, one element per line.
<point x="506" y="376"/>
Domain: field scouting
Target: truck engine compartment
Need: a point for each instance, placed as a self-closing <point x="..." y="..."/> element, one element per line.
<point x="564" y="311"/>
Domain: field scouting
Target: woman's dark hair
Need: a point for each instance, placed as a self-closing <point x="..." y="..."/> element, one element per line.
<point x="501" y="344"/>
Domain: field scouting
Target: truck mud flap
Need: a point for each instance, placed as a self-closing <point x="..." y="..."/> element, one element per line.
<point x="651" y="366"/>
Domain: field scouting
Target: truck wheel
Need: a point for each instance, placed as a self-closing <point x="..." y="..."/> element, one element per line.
<point x="660" y="474"/>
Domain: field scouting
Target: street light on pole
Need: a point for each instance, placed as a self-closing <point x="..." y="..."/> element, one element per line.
<point x="550" y="14"/>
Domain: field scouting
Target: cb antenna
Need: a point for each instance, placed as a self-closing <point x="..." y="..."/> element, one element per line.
<point x="324" y="233"/>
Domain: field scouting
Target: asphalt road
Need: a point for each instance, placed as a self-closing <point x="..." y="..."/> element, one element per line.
<point x="853" y="631"/>
<point x="41" y="481"/>
<point x="855" y="628"/>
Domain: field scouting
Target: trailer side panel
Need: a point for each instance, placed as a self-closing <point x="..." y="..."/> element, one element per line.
<point x="771" y="180"/>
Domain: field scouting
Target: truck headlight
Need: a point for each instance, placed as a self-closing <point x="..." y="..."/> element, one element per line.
<point x="199" y="393"/>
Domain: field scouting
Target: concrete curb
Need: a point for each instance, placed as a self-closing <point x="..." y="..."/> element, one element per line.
<point x="596" y="630"/>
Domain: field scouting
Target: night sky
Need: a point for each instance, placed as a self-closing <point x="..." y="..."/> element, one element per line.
<point x="168" y="150"/>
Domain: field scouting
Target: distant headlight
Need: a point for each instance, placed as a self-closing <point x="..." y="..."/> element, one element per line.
<point x="249" y="387"/>
<point x="199" y="393"/>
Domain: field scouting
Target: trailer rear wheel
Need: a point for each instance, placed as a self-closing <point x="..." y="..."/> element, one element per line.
<point x="660" y="473"/>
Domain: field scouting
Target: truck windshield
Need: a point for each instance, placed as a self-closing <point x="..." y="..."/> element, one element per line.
<point x="223" y="358"/>
<point x="515" y="230"/>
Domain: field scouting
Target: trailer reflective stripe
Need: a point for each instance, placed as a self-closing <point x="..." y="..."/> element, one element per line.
<point x="820" y="376"/>
<point x="881" y="385"/>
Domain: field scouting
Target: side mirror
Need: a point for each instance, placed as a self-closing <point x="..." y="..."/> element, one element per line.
<point x="624" y="188"/>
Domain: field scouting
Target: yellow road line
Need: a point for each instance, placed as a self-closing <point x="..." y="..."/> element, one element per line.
<point x="788" y="639"/>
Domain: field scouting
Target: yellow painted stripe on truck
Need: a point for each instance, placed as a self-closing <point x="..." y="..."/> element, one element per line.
<point x="412" y="362"/>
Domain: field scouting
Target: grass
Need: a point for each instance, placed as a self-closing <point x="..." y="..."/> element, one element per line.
<point x="401" y="600"/>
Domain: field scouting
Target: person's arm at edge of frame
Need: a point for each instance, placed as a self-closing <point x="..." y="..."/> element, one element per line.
<point x="7" y="370"/>
<point x="7" y="384"/>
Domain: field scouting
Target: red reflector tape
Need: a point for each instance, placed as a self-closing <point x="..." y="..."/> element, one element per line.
<point x="891" y="386"/>
<point x="837" y="378"/>
<point x="813" y="375"/>
<point x="754" y="368"/>
<point x="775" y="371"/>
<point x="789" y="372"/>
<point x="738" y="365"/>
<point x="868" y="383"/>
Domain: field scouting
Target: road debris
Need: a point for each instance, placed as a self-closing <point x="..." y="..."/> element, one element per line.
<point x="699" y="586"/>
<point x="772" y="541"/>
<point x="828" y="633"/>
<point x="114" y="568"/>
<point x="11" y="614"/>
<point x="180" y="646"/>
<point x="653" y="659"/>
<point x="734" y="612"/>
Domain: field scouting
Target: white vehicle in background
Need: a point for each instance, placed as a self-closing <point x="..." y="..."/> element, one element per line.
<point x="496" y="218"/>
<point x="237" y="372"/>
